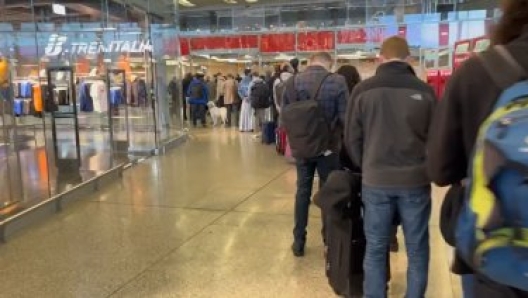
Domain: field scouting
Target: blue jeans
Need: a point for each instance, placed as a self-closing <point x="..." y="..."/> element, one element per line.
<point x="413" y="205"/>
<point x="305" y="176"/>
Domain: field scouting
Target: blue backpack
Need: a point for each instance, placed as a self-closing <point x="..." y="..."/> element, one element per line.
<point x="492" y="231"/>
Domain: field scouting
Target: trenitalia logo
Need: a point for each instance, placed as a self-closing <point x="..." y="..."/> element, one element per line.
<point x="57" y="45"/>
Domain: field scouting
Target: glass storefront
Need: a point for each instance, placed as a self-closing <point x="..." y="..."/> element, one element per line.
<point x="84" y="88"/>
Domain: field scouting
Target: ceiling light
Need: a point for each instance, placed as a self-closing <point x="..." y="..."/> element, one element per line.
<point x="251" y="1"/>
<point x="59" y="9"/>
<point x="230" y="1"/>
<point x="186" y="3"/>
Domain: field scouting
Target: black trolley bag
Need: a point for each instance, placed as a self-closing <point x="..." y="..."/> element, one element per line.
<point x="340" y="202"/>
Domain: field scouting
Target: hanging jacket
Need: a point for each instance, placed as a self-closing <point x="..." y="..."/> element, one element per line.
<point x="142" y="92"/>
<point x="86" y="100"/>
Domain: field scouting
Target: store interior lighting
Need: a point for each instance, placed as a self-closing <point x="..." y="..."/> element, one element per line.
<point x="186" y="3"/>
<point x="59" y="9"/>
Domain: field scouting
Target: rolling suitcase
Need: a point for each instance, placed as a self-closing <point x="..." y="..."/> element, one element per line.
<point x="281" y="141"/>
<point x="268" y="133"/>
<point x="345" y="241"/>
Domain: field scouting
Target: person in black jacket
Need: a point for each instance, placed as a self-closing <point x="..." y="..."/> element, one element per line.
<point x="186" y="82"/>
<point x="469" y="99"/>
<point x="387" y="125"/>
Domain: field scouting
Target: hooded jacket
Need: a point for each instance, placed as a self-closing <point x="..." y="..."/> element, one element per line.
<point x="205" y="93"/>
<point x="387" y="124"/>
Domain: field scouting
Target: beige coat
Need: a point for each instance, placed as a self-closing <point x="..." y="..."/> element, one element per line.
<point x="230" y="91"/>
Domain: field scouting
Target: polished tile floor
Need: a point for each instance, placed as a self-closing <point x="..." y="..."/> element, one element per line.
<point x="210" y="219"/>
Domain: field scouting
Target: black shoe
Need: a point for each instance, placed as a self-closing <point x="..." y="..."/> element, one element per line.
<point x="298" y="249"/>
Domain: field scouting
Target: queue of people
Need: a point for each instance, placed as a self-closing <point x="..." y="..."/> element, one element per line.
<point x="395" y="135"/>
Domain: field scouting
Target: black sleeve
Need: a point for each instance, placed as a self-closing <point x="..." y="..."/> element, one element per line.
<point x="447" y="160"/>
<point x="353" y="139"/>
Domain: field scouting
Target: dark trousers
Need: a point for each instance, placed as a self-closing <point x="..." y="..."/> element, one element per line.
<point x="184" y="102"/>
<point x="305" y="175"/>
<point x="229" y="108"/>
<point x="198" y="113"/>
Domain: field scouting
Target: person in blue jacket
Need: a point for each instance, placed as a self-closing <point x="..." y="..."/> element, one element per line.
<point x="198" y="97"/>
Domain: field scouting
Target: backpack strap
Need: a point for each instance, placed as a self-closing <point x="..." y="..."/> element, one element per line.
<point x="503" y="67"/>
<point x="319" y="86"/>
<point x="316" y="88"/>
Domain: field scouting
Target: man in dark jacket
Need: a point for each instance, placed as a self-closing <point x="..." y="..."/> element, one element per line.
<point x="387" y="124"/>
<point x="469" y="99"/>
<point x="332" y="96"/>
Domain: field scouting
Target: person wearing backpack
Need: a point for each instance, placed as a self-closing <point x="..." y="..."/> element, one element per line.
<point x="198" y="97"/>
<point x="473" y="133"/>
<point x="312" y="114"/>
<point x="387" y="125"/>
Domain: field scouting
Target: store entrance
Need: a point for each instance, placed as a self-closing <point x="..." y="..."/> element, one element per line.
<point x="10" y="141"/>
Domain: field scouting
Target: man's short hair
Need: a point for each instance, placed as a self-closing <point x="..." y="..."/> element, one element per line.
<point x="395" y="47"/>
<point x="322" y="57"/>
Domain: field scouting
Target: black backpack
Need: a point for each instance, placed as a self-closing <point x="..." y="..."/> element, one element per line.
<point x="260" y="95"/>
<point x="309" y="133"/>
<point x="197" y="91"/>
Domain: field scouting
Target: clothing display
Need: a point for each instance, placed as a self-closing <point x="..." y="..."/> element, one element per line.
<point x="4" y="72"/>
<point x="37" y="98"/>
<point x="100" y="96"/>
<point x="116" y="96"/>
<point x="63" y="96"/>
<point x="85" y="98"/>
<point x="139" y="93"/>
<point x="49" y="103"/>
<point x="25" y="89"/>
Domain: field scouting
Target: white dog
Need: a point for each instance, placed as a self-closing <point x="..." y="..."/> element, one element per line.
<point x="217" y="114"/>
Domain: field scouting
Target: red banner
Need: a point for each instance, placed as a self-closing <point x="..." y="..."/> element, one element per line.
<point x="233" y="42"/>
<point x="277" y="43"/>
<point x="315" y="41"/>
<point x="185" y="49"/>
<point x="443" y="34"/>
<point x="352" y="36"/>
<point x="241" y="42"/>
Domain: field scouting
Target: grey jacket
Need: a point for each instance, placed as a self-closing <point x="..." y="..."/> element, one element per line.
<point x="387" y="124"/>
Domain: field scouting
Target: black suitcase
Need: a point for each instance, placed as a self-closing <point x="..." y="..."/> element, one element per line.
<point x="345" y="242"/>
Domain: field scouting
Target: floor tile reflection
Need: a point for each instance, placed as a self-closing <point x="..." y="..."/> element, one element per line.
<point x="210" y="219"/>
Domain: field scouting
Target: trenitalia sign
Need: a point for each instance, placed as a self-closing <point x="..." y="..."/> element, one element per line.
<point x="57" y="46"/>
